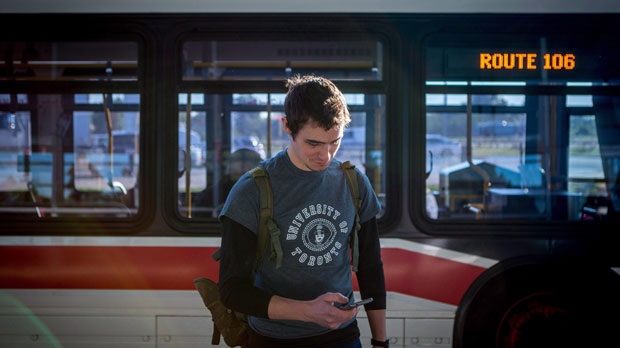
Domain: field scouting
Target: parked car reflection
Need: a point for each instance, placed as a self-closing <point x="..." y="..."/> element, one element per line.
<point x="442" y="146"/>
<point x="249" y="142"/>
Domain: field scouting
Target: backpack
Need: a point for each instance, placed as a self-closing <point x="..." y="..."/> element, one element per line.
<point x="231" y="325"/>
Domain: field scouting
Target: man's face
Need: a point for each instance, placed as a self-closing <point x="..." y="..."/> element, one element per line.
<point x="313" y="147"/>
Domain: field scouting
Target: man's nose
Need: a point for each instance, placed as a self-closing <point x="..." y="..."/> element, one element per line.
<point x="325" y="151"/>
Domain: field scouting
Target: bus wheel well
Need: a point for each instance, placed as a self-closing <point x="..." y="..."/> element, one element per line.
<point x="548" y="303"/>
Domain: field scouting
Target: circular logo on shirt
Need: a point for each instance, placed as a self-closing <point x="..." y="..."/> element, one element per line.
<point x="318" y="234"/>
<point x="313" y="235"/>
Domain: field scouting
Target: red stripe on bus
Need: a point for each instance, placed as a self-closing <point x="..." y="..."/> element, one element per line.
<point x="175" y="268"/>
<point x="427" y="276"/>
<point x="104" y="267"/>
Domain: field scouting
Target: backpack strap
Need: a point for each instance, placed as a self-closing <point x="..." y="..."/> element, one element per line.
<point x="351" y="175"/>
<point x="217" y="255"/>
<point x="267" y="228"/>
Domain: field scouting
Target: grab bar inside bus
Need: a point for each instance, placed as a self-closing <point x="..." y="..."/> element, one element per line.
<point x="34" y="199"/>
<point x="486" y="181"/>
<point x="114" y="184"/>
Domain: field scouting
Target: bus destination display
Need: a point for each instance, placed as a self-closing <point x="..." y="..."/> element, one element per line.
<point x="526" y="61"/>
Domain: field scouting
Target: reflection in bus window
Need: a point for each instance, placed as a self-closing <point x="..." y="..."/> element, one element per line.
<point x="240" y="129"/>
<point x="70" y="154"/>
<point x="535" y="156"/>
<point x="509" y="175"/>
<point x="14" y="143"/>
<point x="259" y="129"/>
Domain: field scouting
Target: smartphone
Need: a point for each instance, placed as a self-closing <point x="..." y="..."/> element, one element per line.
<point x="354" y="304"/>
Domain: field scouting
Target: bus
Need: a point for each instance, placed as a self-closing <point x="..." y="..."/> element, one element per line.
<point x="503" y="235"/>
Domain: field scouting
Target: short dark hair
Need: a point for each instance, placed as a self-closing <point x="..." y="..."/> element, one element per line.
<point x="314" y="99"/>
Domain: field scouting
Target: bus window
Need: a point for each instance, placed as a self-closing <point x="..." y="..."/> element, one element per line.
<point x="529" y="150"/>
<point x="69" y="154"/>
<point x="239" y="129"/>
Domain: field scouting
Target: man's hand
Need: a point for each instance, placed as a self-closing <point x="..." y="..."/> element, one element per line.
<point x="320" y="311"/>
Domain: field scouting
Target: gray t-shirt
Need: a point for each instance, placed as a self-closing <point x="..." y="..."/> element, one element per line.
<point x="315" y="213"/>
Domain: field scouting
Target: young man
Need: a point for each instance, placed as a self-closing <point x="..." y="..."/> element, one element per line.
<point x="293" y="305"/>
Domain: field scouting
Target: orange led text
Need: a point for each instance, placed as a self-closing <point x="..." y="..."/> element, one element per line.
<point x="526" y="61"/>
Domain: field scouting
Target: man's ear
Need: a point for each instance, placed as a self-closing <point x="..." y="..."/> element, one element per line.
<point x="285" y="125"/>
